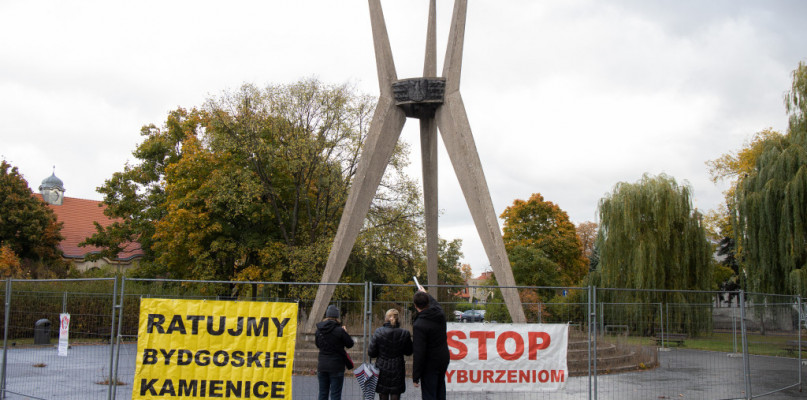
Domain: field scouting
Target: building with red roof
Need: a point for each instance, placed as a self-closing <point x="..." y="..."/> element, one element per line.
<point x="78" y="218"/>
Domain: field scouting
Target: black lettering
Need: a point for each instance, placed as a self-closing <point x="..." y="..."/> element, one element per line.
<point x="195" y="323"/>
<point x="256" y="390"/>
<point x="167" y="355"/>
<point x="238" y="358"/>
<point x="277" y="390"/>
<point x="257" y="329"/>
<point x="216" y="332"/>
<point x="215" y="389"/>
<point x="184" y="357"/>
<point x="149" y="356"/>
<point x="234" y="389"/>
<point x="280" y="325"/>
<point x="267" y="359"/>
<point x="225" y="358"/>
<point x="246" y="388"/>
<point x="168" y="388"/>
<point x="147" y="386"/>
<point x="280" y="360"/>
<point x="176" y="325"/>
<point x="202" y="358"/>
<point x="203" y="388"/>
<point x="253" y="358"/>
<point x="155" y="321"/>
<point x="239" y="326"/>
<point x="187" y="388"/>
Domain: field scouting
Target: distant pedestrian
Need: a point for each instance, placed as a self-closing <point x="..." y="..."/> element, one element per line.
<point x="332" y="339"/>
<point x="388" y="346"/>
<point x="430" y="347"/>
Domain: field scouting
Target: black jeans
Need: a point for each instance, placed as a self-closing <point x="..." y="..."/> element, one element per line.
<point x="330" y="383"/>
<point x="433" y="386"/>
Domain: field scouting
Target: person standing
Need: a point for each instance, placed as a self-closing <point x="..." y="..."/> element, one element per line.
<point x="331" y="340"/>
<point x="430" y="347"/>
<point x="388" y="346"/>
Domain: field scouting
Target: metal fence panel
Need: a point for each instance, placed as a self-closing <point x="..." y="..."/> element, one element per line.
<point x="32" y="332"/>
<point x="348" y="297"/>
<point x="541" y="305"/>
<point x="772" y="333"/>
<point x="623" y="344"/>
<point x="664" y="327"/>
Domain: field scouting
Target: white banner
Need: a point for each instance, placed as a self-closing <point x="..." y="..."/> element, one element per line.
<point x="64" y="333"/>
<point x="507" y="357"/>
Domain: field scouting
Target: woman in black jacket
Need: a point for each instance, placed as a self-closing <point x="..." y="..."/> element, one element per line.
<point x="389" y="345"/>
<point x="331" y="339"/>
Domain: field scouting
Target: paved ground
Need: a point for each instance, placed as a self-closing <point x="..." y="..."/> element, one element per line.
<point x="39" y="373"/>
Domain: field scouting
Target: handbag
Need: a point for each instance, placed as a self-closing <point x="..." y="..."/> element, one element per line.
<point x="348" y="360"/>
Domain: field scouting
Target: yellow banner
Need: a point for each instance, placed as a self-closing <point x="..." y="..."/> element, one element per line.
<point x="202" y="349"/>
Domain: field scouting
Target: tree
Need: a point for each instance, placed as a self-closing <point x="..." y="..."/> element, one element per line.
<point x="10" y="265"/>
<point x="29" y="231"/>
<point x="252" y="186"/>
<point x="587" y="233"/>
<point x="538" y="236"/>
<point x="135" y="197"/>
<point x="771" y="205"/>
<point x="650" y="237"/>
<point x="466" y="271"/>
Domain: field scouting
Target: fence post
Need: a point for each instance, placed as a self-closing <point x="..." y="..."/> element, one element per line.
<point x="666" y="315"/>
<point x="111" y="376"/>
<point x="119" y="307"/>
<point x="661" y="322"/>
<point x="588" y="317"/>
<point x="594" y="301"/>
<point x="368" y="287"/>
<point x="746" y="356"/>
<point x="734" y="327"/>
<point x="802" y="319"/>
<point x="5" y="340"/>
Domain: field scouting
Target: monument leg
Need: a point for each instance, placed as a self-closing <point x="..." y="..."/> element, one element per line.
<point x="385" y="128"/>
<point x="428" y="147"/>
<point x="456" y="132"/>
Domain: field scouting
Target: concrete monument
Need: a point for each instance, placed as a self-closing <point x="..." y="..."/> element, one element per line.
<point x="437" y="103"/>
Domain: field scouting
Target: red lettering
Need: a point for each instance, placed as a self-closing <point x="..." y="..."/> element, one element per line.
<point x="500" y="342"/>
<point x="558" y="375"/>
<point x="453" y="339"/>
<point x="511" y="376"/>
<point x="543" y="375"/>
<point x="500" y="377"/>
<point x="534" y="345"/>
<point x="488" y="376"/>
<point x="481" y="337"/>
<point x="462" y="376"/>
<point x="478" y="376"/>
<point x="449" y="374"/>
<point x="524" y="376"/>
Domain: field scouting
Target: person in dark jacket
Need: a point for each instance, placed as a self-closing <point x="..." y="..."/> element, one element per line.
<point x="331" y="339"/>
<point x="388" y="346"/>
<point x="430" y="356"/>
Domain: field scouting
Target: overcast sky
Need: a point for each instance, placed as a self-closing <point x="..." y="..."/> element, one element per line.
<point x="565" y="98"/>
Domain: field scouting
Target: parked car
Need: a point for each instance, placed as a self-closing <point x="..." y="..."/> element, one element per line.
<point x="457" y="315"/>
<point x="472" y="316"/>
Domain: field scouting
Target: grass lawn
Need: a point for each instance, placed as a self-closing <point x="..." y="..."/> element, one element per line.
<point x="768" y="345"/>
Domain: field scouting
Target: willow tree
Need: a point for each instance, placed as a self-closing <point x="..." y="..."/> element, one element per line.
<point x="651" y="237"/>
<point x="771" y="217"/>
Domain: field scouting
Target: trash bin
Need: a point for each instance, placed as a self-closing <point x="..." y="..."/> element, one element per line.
<point x="42" y="332"/>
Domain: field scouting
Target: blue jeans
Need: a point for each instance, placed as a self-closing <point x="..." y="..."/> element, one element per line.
<point x="330" y="383"/>
<point x="433" y="386"/>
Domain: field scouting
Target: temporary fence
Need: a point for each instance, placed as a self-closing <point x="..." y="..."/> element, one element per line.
<point x="622" y="343"/>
